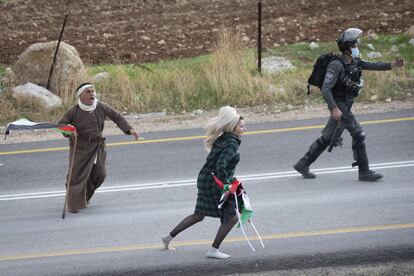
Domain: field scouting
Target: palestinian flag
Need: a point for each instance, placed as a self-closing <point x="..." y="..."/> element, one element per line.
<point x="24" y="124"/>
<point x="246" y="211"/>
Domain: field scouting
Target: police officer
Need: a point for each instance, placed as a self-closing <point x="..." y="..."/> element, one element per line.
<point x="341" y="85"/>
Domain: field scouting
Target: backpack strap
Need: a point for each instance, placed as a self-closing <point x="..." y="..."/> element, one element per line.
<point x="342" y="60"/>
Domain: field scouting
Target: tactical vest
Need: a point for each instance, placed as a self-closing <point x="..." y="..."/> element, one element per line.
<point x="348" y="88"/>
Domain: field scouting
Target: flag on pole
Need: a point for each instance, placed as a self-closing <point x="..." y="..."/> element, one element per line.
<point x="24" y="124"/>
<point x="244" y="210"/>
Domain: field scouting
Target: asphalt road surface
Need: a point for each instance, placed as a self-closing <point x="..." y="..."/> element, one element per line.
<point x="333" y="220"/>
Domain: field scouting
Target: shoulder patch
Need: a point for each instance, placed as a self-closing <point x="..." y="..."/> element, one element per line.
<point x="328" y="77"/>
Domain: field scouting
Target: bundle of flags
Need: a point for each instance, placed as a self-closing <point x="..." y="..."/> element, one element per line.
<point x="24" y="124"/>
<point x="242" y="206"/>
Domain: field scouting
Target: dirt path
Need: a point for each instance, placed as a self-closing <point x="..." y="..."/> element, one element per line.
<point x="252" y="115"/>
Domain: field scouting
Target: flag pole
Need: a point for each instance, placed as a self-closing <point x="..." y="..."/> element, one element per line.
<point x="70" y="174"/>
<point x="241" y="224"/>
<point x="257" y="233"/>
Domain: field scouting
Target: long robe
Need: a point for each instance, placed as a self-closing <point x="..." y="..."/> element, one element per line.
<point x="89" y="170"/>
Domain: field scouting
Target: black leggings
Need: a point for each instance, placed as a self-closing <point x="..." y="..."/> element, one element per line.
<point x="195" y="218"/>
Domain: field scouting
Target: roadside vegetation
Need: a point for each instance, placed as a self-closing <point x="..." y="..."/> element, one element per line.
<point x="226" y="77"/>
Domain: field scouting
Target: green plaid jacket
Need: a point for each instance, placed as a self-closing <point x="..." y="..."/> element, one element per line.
<point x="221" y="161"/>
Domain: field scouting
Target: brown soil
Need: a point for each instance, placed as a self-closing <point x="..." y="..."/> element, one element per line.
<point x="109" y="31"/>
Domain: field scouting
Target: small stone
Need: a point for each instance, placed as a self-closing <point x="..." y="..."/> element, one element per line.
<point x="106" y="36"/>
<point x="245" y="39"/>
<point x="374" y="55"/>
<point x="100" y="77"/>
<point x="280" y="20"/>
<point x="394" y="49"/>
<point x="313" y="45"/>
<point x="162" y="42"/>
<point x="372" y="36"/>
<point x="373" y="98"/>
<point x="371" y="47"/>
<point x="388" y="100"/>
<point x="289" y="107"/>
<point x="198" y="112"/>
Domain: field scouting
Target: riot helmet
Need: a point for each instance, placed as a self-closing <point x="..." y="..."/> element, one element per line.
<point x="348" y="39"/>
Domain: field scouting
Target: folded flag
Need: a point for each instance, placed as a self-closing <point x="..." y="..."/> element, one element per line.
<point x="24" y="124"/>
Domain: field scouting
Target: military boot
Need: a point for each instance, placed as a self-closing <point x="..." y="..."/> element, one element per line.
<point x="316" y="149"/>
<point x="301" y="167"/>
<point x="369" y="176"/>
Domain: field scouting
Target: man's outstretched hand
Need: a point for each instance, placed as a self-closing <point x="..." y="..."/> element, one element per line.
<point x="136" y="134"/>
<point x="397" y="63"/>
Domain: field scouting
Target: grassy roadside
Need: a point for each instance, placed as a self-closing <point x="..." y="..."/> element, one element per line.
<point x="228" y="76"/>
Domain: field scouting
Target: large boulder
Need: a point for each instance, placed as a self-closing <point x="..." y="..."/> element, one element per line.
<point x="31" y="91"/>
<point x="410" y="32"/>
<point x="35" y="62"/>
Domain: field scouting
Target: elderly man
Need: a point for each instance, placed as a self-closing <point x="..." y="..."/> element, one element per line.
<point x="89" y="171"/>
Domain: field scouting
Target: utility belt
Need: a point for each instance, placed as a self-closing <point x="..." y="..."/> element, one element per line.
<point x="344" y="98"/>
<point x="95" y="139"/>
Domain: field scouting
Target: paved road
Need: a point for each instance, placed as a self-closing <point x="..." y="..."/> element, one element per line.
<point x="333" y="220"/>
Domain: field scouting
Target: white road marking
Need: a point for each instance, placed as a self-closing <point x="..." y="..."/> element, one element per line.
<point x="190" y="182"/>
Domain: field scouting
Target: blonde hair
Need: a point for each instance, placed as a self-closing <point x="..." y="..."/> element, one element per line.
<point x="225" y="121"/>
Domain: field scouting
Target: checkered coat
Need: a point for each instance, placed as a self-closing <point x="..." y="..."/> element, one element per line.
<point x="221" y="161"/>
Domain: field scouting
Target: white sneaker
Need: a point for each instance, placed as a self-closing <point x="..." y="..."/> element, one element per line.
<point x="215" y="253"/>
<point x="166" y="241"/>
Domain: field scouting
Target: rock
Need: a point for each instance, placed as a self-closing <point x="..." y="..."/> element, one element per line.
<point x="374" y="55"/>
<point x="245" y="39"/>
<point x="373" y="98"/>
<point x="411" y="41"/>
<point x="371" y="47"/>
<point x="35" y="62"/>
<point x="198" y="112"/>
<point x="100" y="77"/>
<point x="275" y="64"/>
<point x="280" y="20"/>
<point x="410" y="32"/>
<point x="313" y="45"/>
<point x="289" y="107"/>
<point x="30" y="90"/>
<point x="106" y="36"/>
<point x="372" y="36"/>
<point x="146" y="38"/>
<point x="162" y="42"/>
<point x="394" y="49"/>
<point x="388" y="100"/>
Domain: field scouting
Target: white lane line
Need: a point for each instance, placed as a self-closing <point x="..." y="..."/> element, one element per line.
<point x="191" y="182"/>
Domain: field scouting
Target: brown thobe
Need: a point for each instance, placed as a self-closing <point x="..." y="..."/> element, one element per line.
<point x="89" y="170"/>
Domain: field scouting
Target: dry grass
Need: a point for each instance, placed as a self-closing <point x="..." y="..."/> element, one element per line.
<point x="226" y="77"/>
